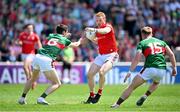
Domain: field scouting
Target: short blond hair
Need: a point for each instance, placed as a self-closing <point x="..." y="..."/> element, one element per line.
<point x="146" y="30"/>
<point x="100" y="14"/>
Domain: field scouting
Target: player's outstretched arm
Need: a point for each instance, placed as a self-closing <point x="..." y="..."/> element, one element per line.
<point x="99" y="30"/>
<point x="74" y="44"/>
<point x="86" y="36"/>
<point x="172" y="59"/>
<point x="134" y="63"/>
<point x="81" y="41"/>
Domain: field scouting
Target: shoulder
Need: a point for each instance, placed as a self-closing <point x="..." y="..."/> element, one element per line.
<point x="22" y="33"/>
<point x="160" y="41"/>
<point x="35" y="35"/>
<point x="67" y="39"/>
<point x="142" y="41"/>
<point x="51" y="34"/>
<point x="109" y="25"/>
<point x="156" y="39"/>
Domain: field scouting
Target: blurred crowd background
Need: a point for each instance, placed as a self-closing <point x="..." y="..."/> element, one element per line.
<point x="127" y="17"/>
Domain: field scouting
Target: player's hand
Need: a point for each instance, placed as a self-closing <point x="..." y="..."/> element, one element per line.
<point x="90" y="29"/>
<point x="76" y="44"/>
<point x="127" y="76"/>
<point x="68" y="34"/>
<point x="174" y="71"/>
<point x="28" y="77"/>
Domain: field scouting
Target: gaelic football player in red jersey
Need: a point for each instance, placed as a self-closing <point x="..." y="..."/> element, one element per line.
<point x="28" y="39"/>
<point x="106" y="41"/>
<point x="154" y="68"/>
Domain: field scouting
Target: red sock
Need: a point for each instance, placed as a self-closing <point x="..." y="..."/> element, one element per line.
<point x="92" y="94"/>
<point x="100" y="91"/>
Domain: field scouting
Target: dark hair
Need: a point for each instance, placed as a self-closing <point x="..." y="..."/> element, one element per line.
<point x="25" y="26"/>
<point x="146" y="30"/>
<point x="60" y="28"/>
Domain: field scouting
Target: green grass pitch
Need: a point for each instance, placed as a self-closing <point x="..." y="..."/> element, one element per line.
<point x="69" y="98"/>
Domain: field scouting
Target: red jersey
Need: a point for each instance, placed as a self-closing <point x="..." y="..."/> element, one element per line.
<point x="28" y="42"/>
<point x="107" y="42"/>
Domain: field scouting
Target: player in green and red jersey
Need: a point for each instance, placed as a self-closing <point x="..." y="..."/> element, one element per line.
<point x="44" y="62"/>
<point x="154" y="68"/>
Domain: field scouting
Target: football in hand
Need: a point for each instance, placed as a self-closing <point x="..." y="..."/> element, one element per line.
<point x="90" y="35"/>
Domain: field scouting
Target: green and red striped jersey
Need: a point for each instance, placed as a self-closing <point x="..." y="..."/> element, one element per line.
<point x="154" y="51"/>
<point x="54" y="44"/>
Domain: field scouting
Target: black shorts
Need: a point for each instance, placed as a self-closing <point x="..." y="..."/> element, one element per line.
<point x="66" y="65"/>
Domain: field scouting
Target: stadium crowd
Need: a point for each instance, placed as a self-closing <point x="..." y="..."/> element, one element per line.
<point x="127" y="17"/>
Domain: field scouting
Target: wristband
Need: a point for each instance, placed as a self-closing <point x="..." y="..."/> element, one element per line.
<point x="129" y="72"/>
<point x="95" y="30"/>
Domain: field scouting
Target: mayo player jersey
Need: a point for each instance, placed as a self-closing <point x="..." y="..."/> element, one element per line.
<point x="154" y="50"/>
<point x="54" y="44"/>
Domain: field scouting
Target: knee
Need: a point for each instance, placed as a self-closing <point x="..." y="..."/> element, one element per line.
<point x="30" y="81"/>
<point x="25" y="67"/>
<point x="90" y="75"/>
<point x="33" y="79"/>
<point x="101" y="76"/>
<point x="101" y="73"/>
<point x="58" y="84"/>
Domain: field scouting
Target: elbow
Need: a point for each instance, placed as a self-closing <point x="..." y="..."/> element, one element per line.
<point x="136" y="61"/>
<point x="106" y="31"/>
<point x="103" y="31"/>
<point x="171" y="54"/>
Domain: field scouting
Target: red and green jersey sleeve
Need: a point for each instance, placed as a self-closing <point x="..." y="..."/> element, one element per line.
<point x="154" y="51"/>
<point x="54" y="44"/>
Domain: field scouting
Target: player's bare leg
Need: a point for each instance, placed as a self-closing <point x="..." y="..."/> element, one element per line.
<point x="34" y="84"/>
<point x="137" y="81"/>
<point x="151" y="89"/>
<point x="91" y="73"/>
<point x="55" y="84"/>
<point x="28" y="86"/>
<point x="104" y="69"/>
<point x="28" y="71"/>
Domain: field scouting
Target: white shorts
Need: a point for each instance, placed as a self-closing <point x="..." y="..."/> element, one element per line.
<point x="27" y="56"/>
<point x="101" y="59"/>
<point x="42" y="63"/>
<point x="152" y="73"/>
